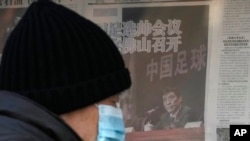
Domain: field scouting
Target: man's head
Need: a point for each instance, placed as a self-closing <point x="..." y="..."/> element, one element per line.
<point x="61" y="60"/>
<point x="172" y="100"/>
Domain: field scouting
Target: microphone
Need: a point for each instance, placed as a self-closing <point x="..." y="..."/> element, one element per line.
<point x="148" y="115"/>
<point x="138" y="121"/>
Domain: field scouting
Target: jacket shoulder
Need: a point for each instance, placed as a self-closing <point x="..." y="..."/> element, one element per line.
<point x="12" y="129"/>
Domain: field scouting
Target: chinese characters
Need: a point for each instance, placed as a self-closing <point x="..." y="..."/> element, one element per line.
<point x="144" y="36"/>
<point x="165" y="67"/>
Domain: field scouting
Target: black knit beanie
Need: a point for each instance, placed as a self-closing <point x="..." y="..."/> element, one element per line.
<point x="61" y="60"/>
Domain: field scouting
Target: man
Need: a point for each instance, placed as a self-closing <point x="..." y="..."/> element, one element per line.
<point x="60" y="77"/>
<point x="177" y="114"/>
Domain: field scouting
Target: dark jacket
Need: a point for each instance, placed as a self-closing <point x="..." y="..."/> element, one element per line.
<point x="185" y="115"/>
<point x="23" y="120"/>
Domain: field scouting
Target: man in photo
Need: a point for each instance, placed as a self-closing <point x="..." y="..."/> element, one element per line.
<point x="177" y="114"/>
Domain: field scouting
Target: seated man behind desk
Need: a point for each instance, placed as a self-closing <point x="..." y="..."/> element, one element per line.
<point x="177" y="114"/>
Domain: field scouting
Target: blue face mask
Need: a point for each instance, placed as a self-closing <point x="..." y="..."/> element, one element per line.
<point x="111" y="125"/>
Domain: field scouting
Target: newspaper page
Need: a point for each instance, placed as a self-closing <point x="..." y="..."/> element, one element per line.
<point x="165" y="46"/>
<point x="223" y="51"/>
<point x="228" y="89"/>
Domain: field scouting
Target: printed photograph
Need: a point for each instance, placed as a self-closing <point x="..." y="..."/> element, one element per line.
<point x="167" y="57"/>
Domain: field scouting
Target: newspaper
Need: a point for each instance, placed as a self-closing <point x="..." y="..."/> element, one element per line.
<point x="228" y="88"/>
<point x="221" y="92"/>
<point x="200" y="47"/>
<point x="164" y="44"/>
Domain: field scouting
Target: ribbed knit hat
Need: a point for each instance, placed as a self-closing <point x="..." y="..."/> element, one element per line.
<point x="61" y="60"/>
